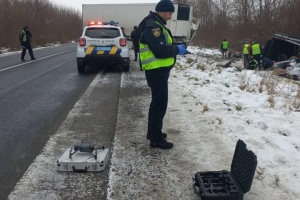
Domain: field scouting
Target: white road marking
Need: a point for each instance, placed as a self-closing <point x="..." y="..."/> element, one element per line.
<point x="1" y="70"/>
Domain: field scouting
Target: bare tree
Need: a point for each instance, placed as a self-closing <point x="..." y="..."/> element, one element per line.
<point x="47" y="22"/>
<point x="236" y="20"/>
<point x="240" y="20"/>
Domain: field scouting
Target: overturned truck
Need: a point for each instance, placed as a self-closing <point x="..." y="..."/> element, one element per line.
<point x="282" y="47"/>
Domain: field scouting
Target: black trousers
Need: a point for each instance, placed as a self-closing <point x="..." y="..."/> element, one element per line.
<point x="257" y="58"/>
<point x="157" y="80"/>
<point x="25" y="47"/>
<point x="136" y="49"/>
<point x="224" y="52"/>
<point x="246" y="60"/>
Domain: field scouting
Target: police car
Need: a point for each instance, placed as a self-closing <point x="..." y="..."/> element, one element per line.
<point x="102" y="43"/>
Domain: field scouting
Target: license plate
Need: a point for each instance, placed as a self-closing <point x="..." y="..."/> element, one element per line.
<point x="103" y="48"/>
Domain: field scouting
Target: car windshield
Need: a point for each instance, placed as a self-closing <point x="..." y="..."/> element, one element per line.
<point x="102" y="32"/>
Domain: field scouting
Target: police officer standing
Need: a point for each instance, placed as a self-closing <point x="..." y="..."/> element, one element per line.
<point x="135" y="41"/>
<point x="246" y="51"/>
<point x="24" y="38"/>
<point x="256" y="51"/>
<point x="158" y="56"/>
<point x="123" y="31"/>
<point x="224" y="48"/>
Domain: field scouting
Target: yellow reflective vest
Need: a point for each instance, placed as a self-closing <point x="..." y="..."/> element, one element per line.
<point x="149" y="61"/>
<point x="24" y="36"/>
<point x="256" y="49"/>
<point x="225" y="45"/>
<point x="245" y="49"/>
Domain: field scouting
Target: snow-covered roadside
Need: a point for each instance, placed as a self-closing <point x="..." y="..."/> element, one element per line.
<point x="7" y="52"/>
<point x="208" y="112"/>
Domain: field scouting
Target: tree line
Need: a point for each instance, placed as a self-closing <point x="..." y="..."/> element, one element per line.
<point x="241" y="20"/>
<point x="234" y="20"/>
<point x="48" y="23"/>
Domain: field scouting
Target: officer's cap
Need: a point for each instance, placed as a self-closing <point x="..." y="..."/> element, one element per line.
<point x="165" y="6"/>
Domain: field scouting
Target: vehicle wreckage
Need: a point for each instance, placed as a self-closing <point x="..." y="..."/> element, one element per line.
<point x="284" y="50"/>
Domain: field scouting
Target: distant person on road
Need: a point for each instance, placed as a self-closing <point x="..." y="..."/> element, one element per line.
<point x="24" y="38"/>
<point x="157" y="57"/>
<point x="224" y="48"/>
<point x="135" y="41"/>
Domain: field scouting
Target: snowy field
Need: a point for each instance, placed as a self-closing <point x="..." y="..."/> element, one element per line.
<point x="210" y="108"/>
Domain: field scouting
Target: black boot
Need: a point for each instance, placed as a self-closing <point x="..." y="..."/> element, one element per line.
<point x="162" y="144"/>
<point x="163" y="134"/>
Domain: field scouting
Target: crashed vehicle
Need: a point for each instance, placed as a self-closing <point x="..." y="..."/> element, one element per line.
<point x="284" y="50"/>
<point x="282" y="47"/>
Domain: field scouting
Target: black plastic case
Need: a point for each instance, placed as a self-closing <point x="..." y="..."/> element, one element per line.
<point x="224" y="185"/>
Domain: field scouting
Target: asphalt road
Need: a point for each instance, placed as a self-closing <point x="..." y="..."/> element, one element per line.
<point x="36" y="98"/>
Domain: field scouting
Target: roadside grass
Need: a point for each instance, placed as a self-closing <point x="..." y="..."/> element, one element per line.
<point x="277" y="88"/>
<point x="281" y="92"/>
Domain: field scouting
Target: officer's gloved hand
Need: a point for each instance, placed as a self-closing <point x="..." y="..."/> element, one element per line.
<point x="181" y="49"/>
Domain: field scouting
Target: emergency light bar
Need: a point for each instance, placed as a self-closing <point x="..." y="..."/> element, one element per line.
<point x="94" y="23"/>
<point x="111" y="23"/>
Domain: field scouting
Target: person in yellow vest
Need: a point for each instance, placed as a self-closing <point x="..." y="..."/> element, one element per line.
<point x="157" y="55"/>
<point x="224" y="48"/>
<point x="256" y="52"/>
<point x="24" y="38"/>
<point x="252" y="64"/>
<point x="246" y="53"/>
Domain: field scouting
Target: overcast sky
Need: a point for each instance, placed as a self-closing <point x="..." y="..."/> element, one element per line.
<point x="77" y="4"/>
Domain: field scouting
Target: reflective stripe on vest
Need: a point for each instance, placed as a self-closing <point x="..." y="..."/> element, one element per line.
<point x="149" y="61"/>
<point x="256" y="49"/>
<point x="225" y="45"/>
<point x="253" y="62"/>
<point x="24" y="36"/>
<point x="245" y="49"/>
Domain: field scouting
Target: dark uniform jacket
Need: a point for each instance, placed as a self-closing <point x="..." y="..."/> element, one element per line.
<point x="134" y="36"/>
<point x="28" y="36"/>
<point x="155" y="41"/>
<point x="135" y="40"/>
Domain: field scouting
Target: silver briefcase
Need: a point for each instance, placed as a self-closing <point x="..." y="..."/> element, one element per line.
<point x="83" y="158"/>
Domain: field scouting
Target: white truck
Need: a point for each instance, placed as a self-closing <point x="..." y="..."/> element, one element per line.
<point x="182" y="25"/>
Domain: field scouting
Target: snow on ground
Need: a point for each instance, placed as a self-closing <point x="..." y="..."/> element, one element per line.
<point x="210" y="108"/>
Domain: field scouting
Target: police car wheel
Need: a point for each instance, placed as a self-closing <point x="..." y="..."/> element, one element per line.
<point x="125" y="68"/>
<point x="81" y="69"/>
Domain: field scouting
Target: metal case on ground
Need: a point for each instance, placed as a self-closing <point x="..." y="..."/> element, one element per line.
<point x="224" y="185"/>
<point x="78" y="161"/>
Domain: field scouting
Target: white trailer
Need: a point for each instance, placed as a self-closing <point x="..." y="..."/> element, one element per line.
<point x="129" y="15"/>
